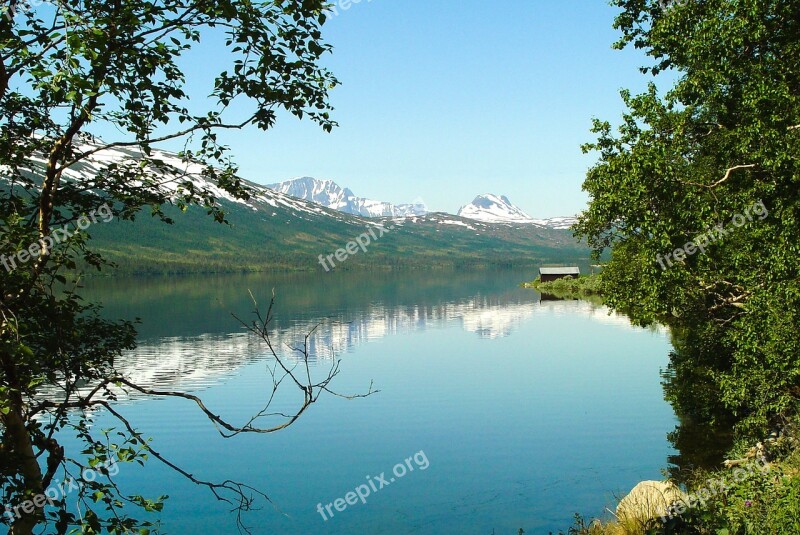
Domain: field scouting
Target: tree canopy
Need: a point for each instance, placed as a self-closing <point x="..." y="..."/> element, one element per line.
<point x="68" y="70"/>
<point x="696" y="194"/>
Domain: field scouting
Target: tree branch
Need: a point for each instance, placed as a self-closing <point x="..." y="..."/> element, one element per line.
<point x="3" y="78"/>
<point x="243" y="495"/>
<point x="182" y="133"/>
<point x="722" y="180"/>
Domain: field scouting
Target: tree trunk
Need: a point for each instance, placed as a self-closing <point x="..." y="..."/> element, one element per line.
<point x="22" y="451"/>
<point x="3" y="78"/>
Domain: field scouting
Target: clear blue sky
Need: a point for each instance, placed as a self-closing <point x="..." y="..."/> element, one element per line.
<point x="446" y="99"/>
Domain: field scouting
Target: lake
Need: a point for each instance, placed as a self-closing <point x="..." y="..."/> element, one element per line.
<point x="502" y="410"/>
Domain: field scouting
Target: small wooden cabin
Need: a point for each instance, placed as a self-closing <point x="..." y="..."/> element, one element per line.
<point x="547" y="274"/>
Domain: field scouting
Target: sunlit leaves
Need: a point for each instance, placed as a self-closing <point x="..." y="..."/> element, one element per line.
<point x="663" y="177"/>
<point x="70" y="68"/>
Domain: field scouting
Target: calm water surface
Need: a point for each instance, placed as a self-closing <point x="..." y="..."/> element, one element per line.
<point x="527" y="411"/>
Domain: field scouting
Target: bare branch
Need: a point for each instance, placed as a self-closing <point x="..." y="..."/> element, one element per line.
<point x="240" y="495"/>
<point x="722" y="180"/>
<point x="243" y="495"/>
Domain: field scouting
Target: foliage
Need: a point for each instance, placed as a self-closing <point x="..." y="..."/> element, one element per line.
<point x="760" y="503"/>
<point x="713" y="162"/>
<point x="583" y="287"/>
<point x="581" y="527"/>
<point x="69" y="69"/>
<point x="708" y="155"/>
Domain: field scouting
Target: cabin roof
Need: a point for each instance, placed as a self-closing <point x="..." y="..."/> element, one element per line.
<point x="559" y="271"/>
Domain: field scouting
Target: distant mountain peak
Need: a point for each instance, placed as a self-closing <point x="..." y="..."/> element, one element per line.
<point x="491" y="208"/>
<point x="329" y="194"/>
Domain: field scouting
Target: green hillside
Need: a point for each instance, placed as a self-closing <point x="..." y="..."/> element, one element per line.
<point x="262" y="237"/>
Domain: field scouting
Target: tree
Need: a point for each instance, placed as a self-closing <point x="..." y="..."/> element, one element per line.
<point x="697" y="196"/>
<point x="71" y="68"/>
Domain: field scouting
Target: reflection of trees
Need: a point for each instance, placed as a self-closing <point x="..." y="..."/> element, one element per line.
<point x="192" y="363"/>
<point x="700" y="444"/>
<point x="692" y="388"/>
<point x="195" y="305"/>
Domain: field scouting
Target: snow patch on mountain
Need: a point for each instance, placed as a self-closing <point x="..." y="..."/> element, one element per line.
<point x="170" y="177"/>
<point x="329" y="194"/>
<point x="490" y="208"/>
<point x="559" y="223"/>
<point x="306" y="197"/>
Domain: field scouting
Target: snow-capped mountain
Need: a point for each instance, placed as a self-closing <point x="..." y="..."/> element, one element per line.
<point x="274" y="229"/>
<point x="486" y="208"/>
<point x="490" y="208"/>
<point x="494" y="209"/>
<point x="329" y="194"/>
<point x="172" y="174"/>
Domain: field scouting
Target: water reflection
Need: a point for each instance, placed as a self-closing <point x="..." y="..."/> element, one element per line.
<point x="529" y="407"/>
<point x="193" y="362"/>
<point x="191" y="342"/>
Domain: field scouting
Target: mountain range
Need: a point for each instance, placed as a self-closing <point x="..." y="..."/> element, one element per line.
<point x="331" y="195"/>
<point x="273" y="230"/>
<point x="487" y="208"/>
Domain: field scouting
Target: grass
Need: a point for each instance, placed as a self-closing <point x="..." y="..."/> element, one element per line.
<point x="587" y="287"/>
